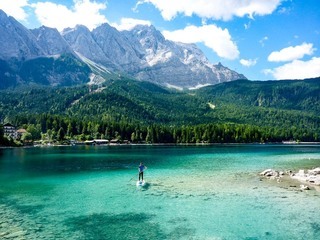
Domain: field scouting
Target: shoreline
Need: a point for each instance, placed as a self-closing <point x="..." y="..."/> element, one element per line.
<point x="166" y="144"/>
<point x="303" y="180"/>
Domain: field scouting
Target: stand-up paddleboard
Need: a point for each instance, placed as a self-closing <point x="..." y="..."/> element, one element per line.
<point x="140" y="183"/>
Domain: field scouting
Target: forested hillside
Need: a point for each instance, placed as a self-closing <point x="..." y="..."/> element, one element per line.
<point x="291" y="94"/>
<point x="240" y="111"/>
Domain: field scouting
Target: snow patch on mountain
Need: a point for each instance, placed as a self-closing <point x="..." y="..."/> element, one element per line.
<point x="173" y="87"/>
<point x="199" y="86"/>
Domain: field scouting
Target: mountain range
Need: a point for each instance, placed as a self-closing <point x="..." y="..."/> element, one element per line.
<point x="77" y="55"/>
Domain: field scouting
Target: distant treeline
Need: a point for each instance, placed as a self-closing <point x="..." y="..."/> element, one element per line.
<point x="61" y="128"/>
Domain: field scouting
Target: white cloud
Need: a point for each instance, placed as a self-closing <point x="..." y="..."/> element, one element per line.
<point x="263" y="40"/>
<point x="284" y="10"/>
<point x="248" y="62"/>
<point x="219" y="40"/>
<point x="130" y="23"/>
<point x="247" y="25"/>
<point x="292" y="53"/>
<point x="85" y="12"/>
<point x="217" y="9"/>
<point x="297" y="69"/>
<point x="15" y="8"/>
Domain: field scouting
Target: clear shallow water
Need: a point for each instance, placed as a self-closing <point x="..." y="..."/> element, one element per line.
<point x="192" y="192"/>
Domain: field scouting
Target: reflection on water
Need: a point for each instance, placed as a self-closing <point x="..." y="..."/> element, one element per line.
<point x="191" y="192"/>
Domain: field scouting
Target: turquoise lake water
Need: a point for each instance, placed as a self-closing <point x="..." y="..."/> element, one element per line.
<point x="191" y="192"/>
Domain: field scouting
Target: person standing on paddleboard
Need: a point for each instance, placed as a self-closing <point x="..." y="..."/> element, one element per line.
<point x="141" y="169"/>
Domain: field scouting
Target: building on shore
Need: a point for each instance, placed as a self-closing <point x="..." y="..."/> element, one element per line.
<point x="10" y="131"/>
<point x="97" y="142"/>
<point x="20" y="132"/>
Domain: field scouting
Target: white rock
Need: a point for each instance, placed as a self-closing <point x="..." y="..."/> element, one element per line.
<point x="301" y="173"/>
<point x="304" y="187"/>
<point x="313" y="179"/>
<point x="267" y="172"/>
<point x="315" y="171"/>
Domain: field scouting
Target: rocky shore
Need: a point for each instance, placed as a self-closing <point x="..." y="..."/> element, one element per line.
<point x="309" y="179"/>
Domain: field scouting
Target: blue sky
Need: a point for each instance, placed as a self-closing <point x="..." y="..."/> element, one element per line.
<point x="263" y="39"/>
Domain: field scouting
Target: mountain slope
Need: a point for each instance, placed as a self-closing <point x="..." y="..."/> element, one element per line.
<point x="175" y="64"/>
<point x="302" y="95"/>
<point x="64" y="70"/>
<point x="39" y="56"/>
<point x="80" y="39"/>
<point x="17" y="42"/>
<point x="146" y="103"/>
<point x="51" y="42"/>
<point x="118" y="49"/>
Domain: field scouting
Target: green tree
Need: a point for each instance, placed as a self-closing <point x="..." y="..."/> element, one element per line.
<point x="26" y="137"/>
<point x="1" y="135"/>
<point x="133" y="137"/>
<point x="60" y="134"/>
<point x="35" y="131"/>
<point x="70" y="130"/>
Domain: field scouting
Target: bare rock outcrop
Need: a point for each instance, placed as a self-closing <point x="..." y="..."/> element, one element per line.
<point x="309" y="178"/>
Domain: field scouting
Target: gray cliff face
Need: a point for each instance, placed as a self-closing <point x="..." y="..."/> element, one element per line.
<point x="81" y="41"/>
<point x="117" y="48"/>
<point x="145" y="54"/>
<point x="51" y="42"/>
<point x="17" y="42"/>
<point x="160" y="59"/>
<point x="40" y="56"/>
<point x="177" y="64"/>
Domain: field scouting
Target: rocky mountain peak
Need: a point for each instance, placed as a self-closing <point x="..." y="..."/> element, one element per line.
<point x="50" y="40"/>
<point x="106" y="30"/>
<point x="81" y="40"/>
<point x="17" y="42"/>
<point x="3" y="16"/>
<point x="78" y="28"/>
<point x="145" y="31"/>
<point x="117" y="48"/>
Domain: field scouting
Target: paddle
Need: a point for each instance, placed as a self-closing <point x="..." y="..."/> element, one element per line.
<point x="135" y="176"/>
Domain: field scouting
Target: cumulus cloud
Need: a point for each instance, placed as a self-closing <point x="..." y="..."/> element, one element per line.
<point x="297" y="69"/>
<point x="15" y="8"/>
<point x="292" y="53"/>
<point x="130" y="23"/>
<point x="217" y="9"/>
<point x="85" y="12"/>
<point x="219" y="40"/>
<point x="248" y="62"/>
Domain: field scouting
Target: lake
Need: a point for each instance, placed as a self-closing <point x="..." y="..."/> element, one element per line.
<point x="191" y="192"/>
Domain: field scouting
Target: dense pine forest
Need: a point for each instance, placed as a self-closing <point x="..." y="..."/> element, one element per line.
<point x="235" y="112"/>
